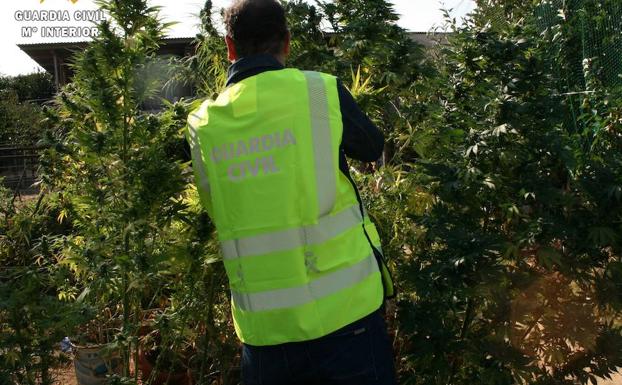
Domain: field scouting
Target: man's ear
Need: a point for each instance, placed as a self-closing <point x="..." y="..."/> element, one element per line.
<point x="286" y="46"/>
<point x="232" y="53"/>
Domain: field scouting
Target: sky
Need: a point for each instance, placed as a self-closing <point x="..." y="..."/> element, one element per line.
<point x="16" y="19"/>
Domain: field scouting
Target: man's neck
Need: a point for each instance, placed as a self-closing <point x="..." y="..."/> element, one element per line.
<point x="252" y="65"/>
<point x="280" y="58"/>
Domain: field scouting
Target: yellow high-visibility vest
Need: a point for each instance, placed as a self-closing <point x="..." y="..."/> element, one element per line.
<point x="294" y="238"/>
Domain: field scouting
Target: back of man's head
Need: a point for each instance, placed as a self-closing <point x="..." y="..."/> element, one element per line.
<point x="256" y="26"/>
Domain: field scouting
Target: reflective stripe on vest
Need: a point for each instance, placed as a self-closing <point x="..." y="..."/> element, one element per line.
<point x="197" y="160"/>
<point x="322" y="144"/>
<point x="300" y="295"/>
<point x="327" y="228"/>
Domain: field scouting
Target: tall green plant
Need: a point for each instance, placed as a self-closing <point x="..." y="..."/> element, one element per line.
<point x="33" y="315"/>
<point x="206" y="69"/>
<point x="513" y="219"/>
<point x="120" y="172"/>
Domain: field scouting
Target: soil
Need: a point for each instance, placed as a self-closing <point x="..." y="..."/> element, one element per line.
<point x="66" y="376"/>
<point x="22" y="200"/>
<point x="617" y="380"/>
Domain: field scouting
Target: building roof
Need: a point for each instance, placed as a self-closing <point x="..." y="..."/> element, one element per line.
<point x="429" y="39"/>
<point x="54" y="57"/>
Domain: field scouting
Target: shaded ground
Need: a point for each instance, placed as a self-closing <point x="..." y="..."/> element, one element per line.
<point x="66" y="376"/>
<point x="617" y="380"/>
<point x="21" y="200"/>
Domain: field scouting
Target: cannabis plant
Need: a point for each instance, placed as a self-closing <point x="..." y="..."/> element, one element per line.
<point x="33" y="315"/>
<point x="516" y="244"/>
<point x="122" y="173"/>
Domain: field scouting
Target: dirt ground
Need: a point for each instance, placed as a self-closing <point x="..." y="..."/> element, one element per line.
<point x="22" y="200"/>
<point x="66" y="376"/>
<point x="617" y="380"/>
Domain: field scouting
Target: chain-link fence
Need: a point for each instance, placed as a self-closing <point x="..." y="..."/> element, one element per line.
<point x="589" y="34"/>
<point x="18" y="167"/>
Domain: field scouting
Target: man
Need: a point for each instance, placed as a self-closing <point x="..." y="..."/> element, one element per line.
<point x="303" y="259"/>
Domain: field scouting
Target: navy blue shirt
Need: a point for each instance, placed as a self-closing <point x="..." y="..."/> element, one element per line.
<point x="361" y="139"/>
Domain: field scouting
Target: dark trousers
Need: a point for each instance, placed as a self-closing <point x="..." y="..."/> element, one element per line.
<point x="358" y="354"/>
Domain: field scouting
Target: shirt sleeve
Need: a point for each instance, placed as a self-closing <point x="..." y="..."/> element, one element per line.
<point x="362" y="140"/>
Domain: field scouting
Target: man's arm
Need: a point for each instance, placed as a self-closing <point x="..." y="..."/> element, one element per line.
<point x="362" y="140"/>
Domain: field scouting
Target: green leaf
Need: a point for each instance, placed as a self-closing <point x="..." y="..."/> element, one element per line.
<point x="603" y="236"/>
<point x="548" y="257"/>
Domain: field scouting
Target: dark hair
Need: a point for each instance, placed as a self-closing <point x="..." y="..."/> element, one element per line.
<point x="256" y="26"/>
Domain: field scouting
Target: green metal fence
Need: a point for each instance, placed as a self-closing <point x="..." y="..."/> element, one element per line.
<point x="589" y="34"/>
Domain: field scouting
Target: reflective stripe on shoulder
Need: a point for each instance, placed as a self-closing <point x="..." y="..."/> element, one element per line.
<point x="300" y="295"/>
<point x="325" y="177"/>
<point x="197" y="159"/>
<point x="327" y="228"/>
<point x="199" y="116"/>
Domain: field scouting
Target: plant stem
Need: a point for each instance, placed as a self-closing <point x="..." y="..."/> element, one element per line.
<point x="39" y="200"/>
<point x="208" y="326"/>
<point x="126" y="315"/>
<point x="136" y="347"/>
<point x="463" y="330"/>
